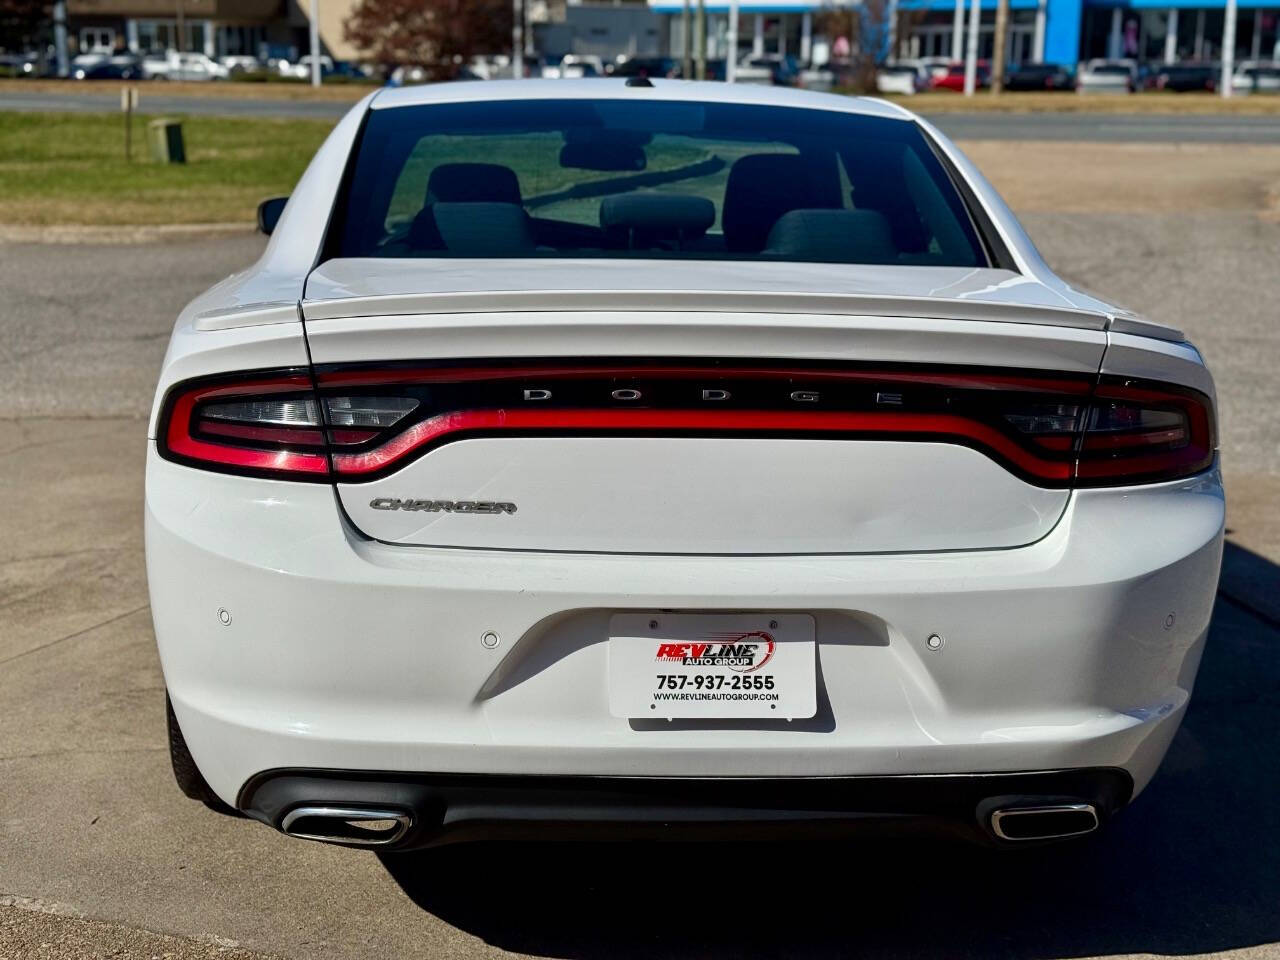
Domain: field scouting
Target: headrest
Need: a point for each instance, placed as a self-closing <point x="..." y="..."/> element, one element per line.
<point x="473" y="182"/>
<point x="674" y="214"/>
<point x="833" y="236"/>
<point x="484" y="229"/>
<point x="761" y="188"/>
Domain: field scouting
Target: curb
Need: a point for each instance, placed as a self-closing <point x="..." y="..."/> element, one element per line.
<point x="117" y="235"/>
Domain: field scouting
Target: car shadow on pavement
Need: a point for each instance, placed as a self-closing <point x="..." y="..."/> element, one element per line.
<point x="1193" y="866"/>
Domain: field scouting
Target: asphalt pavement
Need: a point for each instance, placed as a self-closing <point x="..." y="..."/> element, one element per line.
<point x="101" y="856"/>
<point x="988" y="125"/>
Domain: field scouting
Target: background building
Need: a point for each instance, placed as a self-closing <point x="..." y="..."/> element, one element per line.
<point x="215" y="27"/>
<point x="1066" y="31"/>
<point x="605" y="30"/>
<point x="1053" y="31"/>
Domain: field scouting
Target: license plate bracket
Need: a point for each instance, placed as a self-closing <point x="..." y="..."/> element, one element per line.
<point x="712" y="666"/>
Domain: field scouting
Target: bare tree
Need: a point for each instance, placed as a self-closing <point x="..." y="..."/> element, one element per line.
<point x="997" y="52"/>
<point x="439" y="36"/>
<point x="866" y="29"/>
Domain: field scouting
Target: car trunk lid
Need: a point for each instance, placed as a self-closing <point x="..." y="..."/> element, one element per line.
<point x="768" y="420"/>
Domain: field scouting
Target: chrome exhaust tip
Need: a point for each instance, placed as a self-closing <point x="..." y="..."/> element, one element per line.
<point x="350" y="826"/>
<point x="1056" y="821"/>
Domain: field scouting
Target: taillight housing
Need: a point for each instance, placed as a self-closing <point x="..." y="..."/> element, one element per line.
<point x="265" y="424"/>
<point x="1139" y="431"/>
<point x="354" y="423"/>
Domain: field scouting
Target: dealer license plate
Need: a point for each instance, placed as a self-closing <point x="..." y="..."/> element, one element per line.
<point x="712" y="666"/>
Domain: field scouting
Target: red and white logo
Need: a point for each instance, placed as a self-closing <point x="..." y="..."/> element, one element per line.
<point x="743" y="652"/>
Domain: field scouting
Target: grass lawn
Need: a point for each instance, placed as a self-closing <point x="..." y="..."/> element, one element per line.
<point x="71" y="169"/>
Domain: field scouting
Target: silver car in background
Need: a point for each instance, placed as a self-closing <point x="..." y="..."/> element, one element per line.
<point x="1108" y="76"/>
<point x="1256" y="76"/>
<point x="905" y="77"/>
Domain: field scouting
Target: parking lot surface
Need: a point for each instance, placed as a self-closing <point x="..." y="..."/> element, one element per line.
<point x="100" y="855"/>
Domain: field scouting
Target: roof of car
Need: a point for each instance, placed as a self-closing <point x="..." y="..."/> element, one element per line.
<point x="684" y="91"/>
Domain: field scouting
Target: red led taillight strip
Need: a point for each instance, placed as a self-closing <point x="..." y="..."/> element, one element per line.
<point x="1107" y="455"/>
<point x="454" y="425"/>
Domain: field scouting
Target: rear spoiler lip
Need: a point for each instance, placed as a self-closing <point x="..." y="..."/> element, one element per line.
<point x="257" y="314"/>
<point x="1141" y="327"/>
<point x="693" y="301"/>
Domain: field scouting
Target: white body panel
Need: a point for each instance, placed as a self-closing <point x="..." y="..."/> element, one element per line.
<point x="656" y="333"/>
<point x="706" y="495"/>
<point x="373" y="287"/>
<point x="344" y="653"/>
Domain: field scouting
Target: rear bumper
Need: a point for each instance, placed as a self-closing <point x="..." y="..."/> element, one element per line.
<point x="1078" y="651"/>
<point x="448" y="808"/>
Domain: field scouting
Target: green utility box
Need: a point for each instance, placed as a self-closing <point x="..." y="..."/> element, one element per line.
<point x="166" y="141"/>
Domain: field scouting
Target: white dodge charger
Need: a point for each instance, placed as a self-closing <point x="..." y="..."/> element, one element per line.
<point x="651" y="457"/>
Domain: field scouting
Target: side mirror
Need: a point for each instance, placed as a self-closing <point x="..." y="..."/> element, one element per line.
<point x="269" y="213"/>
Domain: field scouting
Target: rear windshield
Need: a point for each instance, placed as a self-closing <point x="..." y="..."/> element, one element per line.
<point x="645" y="179"/>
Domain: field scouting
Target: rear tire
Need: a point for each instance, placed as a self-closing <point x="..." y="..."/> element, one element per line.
<point x="190" y="781"/>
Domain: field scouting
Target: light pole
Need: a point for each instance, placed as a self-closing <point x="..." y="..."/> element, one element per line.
<point x="686" y="41"/>
<point x="314" y="37"/>
<point x="1229" y="48"/>
<point x="701" y="66"/>
<point x="60" y="37"/>
<point x="517" y="40"/>
<point x="971" y="55"/>
<point x="731" y="42"/>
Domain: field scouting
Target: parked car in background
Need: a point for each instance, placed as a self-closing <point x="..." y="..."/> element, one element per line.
<point x="772" y="68"/>
<point x="195" y="68"/>
<point x="350" y="70"/>
<point x="1256" y="76"/>
<point x="83" y="61"/>
<point x="477" y="68"/>
<point x="408" y="76"/>
<point x="647" y="67"/>
<point x="905" y="77"/>
<point x="1039" y="76"/>
<point x="302" y="69"/>
<point x="20" y="64"/>
<point x="120" y="67"/>
<point x="156" y="65"/>
<point x="581" y="65"/>
<point x="954" y="78"/>
<point x="241" y="64"/>
<point x="937" y="67"/>
<point x="1108" y="76"/>
<point x="819" y="79"/>
<point x="576" y="71"/>
<point x="1187" y="77"/>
